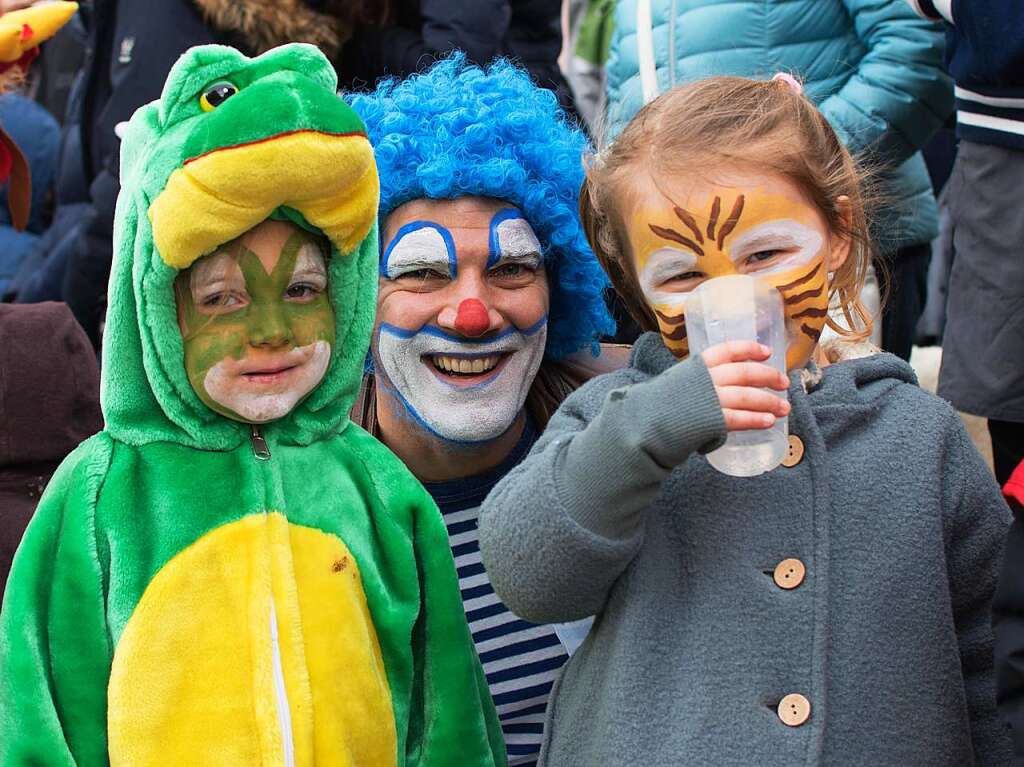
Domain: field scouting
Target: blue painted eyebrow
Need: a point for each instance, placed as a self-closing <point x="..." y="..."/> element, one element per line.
<point x="494" y="245"/>
<point x="414" y="226"/>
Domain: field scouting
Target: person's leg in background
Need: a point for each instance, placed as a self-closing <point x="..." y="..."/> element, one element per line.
<point x="982" y="369"/>
<point x="1007" y="447"/>
<point x="903" y="280"/>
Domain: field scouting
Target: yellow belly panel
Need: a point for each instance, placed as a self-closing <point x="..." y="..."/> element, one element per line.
<point x="200" y="676"/>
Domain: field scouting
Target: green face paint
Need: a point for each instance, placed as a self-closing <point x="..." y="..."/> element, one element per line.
<point x="256" y="322"/>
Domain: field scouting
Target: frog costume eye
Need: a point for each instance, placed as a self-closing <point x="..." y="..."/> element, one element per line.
<point x="216" y="95"/>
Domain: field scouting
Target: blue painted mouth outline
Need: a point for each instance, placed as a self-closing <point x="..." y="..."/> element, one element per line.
<point x="405" y="334"/>
<point x="431" y="330"/>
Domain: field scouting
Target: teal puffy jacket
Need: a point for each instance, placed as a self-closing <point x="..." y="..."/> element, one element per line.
<point x="873" y="67"/>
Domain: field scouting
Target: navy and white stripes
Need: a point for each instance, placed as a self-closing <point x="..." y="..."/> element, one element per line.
<point x="990" y="119"/>
<point x="985" y="55"/>
<point x="520" y="659"/>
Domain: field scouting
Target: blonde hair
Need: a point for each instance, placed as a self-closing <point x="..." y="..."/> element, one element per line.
<point x="765" y="125"/>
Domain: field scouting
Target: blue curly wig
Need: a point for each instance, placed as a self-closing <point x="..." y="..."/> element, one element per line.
<point x="458" y="130"/>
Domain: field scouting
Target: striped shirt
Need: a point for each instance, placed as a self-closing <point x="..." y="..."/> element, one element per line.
<point x="520" y="659"/>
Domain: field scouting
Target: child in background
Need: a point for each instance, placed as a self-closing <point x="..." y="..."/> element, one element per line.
<point x="834" y="611"/>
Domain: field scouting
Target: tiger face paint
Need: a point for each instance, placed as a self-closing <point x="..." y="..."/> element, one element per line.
<point x="757" y="224"/>
<point x="256" y="323"/>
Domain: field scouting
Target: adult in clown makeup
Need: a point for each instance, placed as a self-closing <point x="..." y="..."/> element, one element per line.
<point x="489" y="312"/>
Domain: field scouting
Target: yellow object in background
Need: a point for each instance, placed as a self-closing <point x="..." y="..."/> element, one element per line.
<point x="27" y="28"/>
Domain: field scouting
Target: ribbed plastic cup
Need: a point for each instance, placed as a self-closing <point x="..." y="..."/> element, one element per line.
<point x="740" y="308"/>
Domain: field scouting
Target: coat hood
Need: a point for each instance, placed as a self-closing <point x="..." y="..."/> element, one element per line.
<point x="49" y="384"/>
<point x="195" y="175"/>
<point x="260" y="25"/>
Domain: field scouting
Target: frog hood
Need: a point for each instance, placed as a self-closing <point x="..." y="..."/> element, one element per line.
<point x="199" y="167"/>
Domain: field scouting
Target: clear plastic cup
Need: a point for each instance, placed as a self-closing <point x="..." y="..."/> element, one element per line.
<point x="740" y="308"/>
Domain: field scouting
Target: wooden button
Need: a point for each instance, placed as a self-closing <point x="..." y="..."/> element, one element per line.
<point x="795" y="453"/>
<point x="789" y="573"/>
<point x="794" y="710"/>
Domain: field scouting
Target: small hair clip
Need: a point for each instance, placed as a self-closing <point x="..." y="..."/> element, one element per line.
<point x="791" y="81"/>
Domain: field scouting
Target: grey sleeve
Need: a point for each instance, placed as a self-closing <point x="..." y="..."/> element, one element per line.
<point x="560" y="528"/>
<point x="976" y="526"/>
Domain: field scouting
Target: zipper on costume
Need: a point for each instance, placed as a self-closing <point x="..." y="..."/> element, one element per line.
<point x="284" y="714"/>
<point x="260" y="449"/>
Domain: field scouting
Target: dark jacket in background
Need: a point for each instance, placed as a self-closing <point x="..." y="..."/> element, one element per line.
<point x="49" y="402"/>
<point x="985" y="55"/>
<point x="55" y="71"/>
<point x="420" y="31"/>
<point x="37" y="134"/>
<point x="130" y="48"/>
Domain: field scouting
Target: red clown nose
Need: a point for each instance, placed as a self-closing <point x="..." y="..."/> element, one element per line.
<point x="472" y="319"/>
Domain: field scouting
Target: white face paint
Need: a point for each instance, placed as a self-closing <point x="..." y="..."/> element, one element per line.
<point x="419" y="247"/>
<point x="802" y="242"/>
<point x="661" y="266"/>
<point x="264" y="398"/>
<point x="460" y="388"/>
<point x="515" y="240"/>
<point x="476" y="412"/>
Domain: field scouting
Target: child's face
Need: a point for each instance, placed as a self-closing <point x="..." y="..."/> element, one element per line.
<point x="256" y="322"/>
<point x="741" y="222"/>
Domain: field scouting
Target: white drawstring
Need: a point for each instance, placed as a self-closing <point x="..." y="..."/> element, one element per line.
<point x="645" y="51"/>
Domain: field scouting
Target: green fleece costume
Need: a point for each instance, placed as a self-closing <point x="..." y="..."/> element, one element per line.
<point x="192" y="590"/>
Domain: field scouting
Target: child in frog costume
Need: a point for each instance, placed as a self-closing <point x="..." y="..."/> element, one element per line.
<point x="231" y="573"/>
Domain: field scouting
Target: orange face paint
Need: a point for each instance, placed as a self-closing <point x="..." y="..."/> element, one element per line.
<point x="769" y="233"/>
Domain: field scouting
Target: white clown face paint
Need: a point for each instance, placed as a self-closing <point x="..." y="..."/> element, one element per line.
<point x="462" y="316"/>
<point x="458" y="391"/>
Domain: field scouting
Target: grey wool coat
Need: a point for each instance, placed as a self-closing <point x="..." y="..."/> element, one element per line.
<point x="896" y="529"/>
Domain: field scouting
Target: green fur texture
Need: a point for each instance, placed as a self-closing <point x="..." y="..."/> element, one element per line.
<point x="166" y="469"/>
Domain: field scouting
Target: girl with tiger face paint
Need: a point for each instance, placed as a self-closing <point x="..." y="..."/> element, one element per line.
<point x="750" y="222"/>
<point x="618" y="511"/>
<point x="732" y="176"/>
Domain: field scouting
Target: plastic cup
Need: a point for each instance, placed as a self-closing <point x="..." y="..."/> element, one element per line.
<point x="740" y="308"/>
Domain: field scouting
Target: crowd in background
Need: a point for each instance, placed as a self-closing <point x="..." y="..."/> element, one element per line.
<point x="935" y="106"/>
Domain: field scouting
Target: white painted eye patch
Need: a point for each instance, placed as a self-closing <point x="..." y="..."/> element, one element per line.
<point x="310" y="266"/>
<point x="803" y="242"/>
<point x="663" y="264"/>
<point x="214" y="274"/>
<point x="513" y="240"/>
<point x="416" y="246"/>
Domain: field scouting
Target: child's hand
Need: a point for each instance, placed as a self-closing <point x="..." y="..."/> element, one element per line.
<point x="739" y="374"/>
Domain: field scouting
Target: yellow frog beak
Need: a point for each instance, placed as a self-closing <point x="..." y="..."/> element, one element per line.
<point x="330" y="179"/>
<point x="27" y="28"/>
